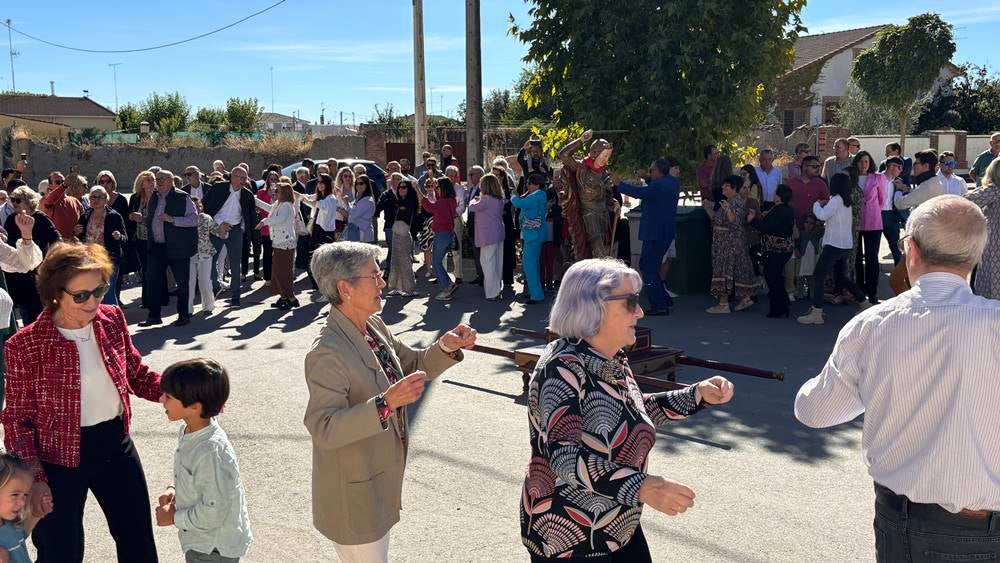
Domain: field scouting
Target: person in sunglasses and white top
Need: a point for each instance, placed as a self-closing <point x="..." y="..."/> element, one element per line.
<point x="951" y="182"/>
<point x="69" y="378"/>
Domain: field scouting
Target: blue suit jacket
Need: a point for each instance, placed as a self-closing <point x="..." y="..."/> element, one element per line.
<point x="659" y="207"/>
<point x="532" y="207"/>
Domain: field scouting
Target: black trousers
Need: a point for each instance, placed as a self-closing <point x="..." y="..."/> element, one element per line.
<point x="252" y="245"/>
<point x="509" y="258"/>
<point x="774" y="273"/>
<point x="24" y="291"/>
<point x="303" y="252"/>
<point x="110" y="468"/>
<point x="635" y="551"/>
<point x="319" y="238"/>
<point x="268" y="249"/>
<point x="866" y="275"/>
<point x="155" y="281"/>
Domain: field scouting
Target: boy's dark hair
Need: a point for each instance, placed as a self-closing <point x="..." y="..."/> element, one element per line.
<point x="784" y="191"/>
<point x="928" y="157"/>
<point x="200" y="380"/>
<point x="809" y="158"/>
<point x="536" y="179"/>
<point x="894" y="147"/>
<point x="707" y="151"/>
<point x="894" y="160"/>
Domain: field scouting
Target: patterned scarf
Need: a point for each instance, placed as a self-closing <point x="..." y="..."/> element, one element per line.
<point x="392" y="374"/>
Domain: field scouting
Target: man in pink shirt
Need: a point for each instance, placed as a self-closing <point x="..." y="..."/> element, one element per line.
<point x="808" y="189"/>
<point x="705" y="172"/>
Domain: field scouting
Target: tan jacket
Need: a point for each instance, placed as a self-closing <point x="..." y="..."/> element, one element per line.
<point x="357" y="466"/>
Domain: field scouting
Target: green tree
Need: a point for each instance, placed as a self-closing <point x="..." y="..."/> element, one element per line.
<point x="861" y="116"/>
<point x="211" y="116"/>
<point x="902" y="65"/>
<point x="129" y="117"/>
<point x="969" y="104"/>
<point x="169" y="109"/>
<point x="675" y="75"/>
<point x="243" y="115"/>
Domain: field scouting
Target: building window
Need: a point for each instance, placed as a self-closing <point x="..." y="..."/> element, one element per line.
<point x="792" y="119"/>
<point x="830" y="106"/>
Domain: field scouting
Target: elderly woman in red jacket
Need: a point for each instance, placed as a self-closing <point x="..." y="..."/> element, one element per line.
<point x="68" y="412"/>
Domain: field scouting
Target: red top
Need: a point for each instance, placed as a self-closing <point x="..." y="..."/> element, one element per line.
<point x="443" y="210"/>
<point x="64" y="210"/>
<point x="42" y="418"/>
<point x="804" y="195"/>
<point x="265" y="197"/>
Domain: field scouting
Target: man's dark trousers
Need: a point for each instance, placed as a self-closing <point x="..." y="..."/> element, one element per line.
<point x="234" y="253"/>
<point x="649" y="266"/>
<point x="156" y="270"/>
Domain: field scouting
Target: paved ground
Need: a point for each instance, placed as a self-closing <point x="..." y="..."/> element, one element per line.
<point x="768" y="488"/>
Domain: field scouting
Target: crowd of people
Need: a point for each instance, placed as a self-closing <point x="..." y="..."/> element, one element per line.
<point x="66" y="256"/>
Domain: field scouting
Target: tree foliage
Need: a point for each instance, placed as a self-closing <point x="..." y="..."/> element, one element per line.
<point x="861" y="116"/>
<point x="166" y="113"/>
<point x="969" y="104"/>
<point x="903" y="63"/>
<point x="674" y="75"/>
<point x="243" y="115"/>
<point x="129" y="117"/>
<point x="211" y="116"/>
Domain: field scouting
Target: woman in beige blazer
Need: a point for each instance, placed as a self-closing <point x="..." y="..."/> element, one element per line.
<point x="361" y="378"/>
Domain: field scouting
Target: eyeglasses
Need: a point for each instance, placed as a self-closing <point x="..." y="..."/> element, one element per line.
<point x="104" y="181"/>
<point x="16" y="200"/>
<point x="373" y="276"/>
<point x="57" y="182"/>
<point x="631" y="300"/>
<point x="902" y="242"/>
<point x="81" y="297"/>
<point x="949" y="163"/>
<point x="97" y="196"/>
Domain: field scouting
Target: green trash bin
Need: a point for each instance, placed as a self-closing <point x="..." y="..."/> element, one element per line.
<point x="691" y="271"/>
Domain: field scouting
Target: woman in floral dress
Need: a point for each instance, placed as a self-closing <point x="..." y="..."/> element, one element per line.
<point x="731" y="267"/>
<point x="987" y="281"/>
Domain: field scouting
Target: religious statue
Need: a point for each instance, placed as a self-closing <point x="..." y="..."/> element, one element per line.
<point x="589" y="206"/>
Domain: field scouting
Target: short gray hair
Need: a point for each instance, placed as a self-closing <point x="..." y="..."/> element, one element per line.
<point x="302" y="170"/>
<point x="340" y="261"/>
<point x="28" y="196"/>
<point x="98" y="190"/>
<point x="950" y="232"/>
<point x="580" y="304"/>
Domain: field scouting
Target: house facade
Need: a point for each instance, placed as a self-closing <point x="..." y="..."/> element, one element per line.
<point x="278" y="122"/>
<point x="77" y="113"/>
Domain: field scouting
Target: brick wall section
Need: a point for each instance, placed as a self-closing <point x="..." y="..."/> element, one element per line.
<point x="375" y="147"/>
<point x="827" y="135"/>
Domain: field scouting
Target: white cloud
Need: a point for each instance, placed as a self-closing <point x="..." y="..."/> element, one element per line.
<point x="358" y="51"/>
<point x="956" y="16"/>
<point x="437" y="89"/>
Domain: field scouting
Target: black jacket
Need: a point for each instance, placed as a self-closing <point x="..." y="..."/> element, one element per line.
<point x="387" y="204"/>
<point x="216" y="196"/>
<point x="112" y="222"/>
<point x="44" y="232"/>
<point x="778" y="222"/>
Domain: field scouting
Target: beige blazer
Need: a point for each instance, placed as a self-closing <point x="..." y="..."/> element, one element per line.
<point x="357" y="476"/>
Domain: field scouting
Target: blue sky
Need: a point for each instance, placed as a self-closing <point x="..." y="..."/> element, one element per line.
<point x="341" y="56"/>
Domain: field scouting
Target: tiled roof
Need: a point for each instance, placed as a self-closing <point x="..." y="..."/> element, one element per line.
<point x="268" y="117"/>
<point x="812" y="48"/>
<point x="53" y="106"/>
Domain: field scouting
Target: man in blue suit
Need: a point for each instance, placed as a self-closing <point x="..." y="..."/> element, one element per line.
<point x="658" y="225"/>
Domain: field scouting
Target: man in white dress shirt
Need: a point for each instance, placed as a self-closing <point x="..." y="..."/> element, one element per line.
<point x="769" y="176"/>
<point x="924" y="369"/>
<point x="950" y="182"/>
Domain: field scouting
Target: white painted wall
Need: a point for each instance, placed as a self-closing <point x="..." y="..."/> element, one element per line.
<point x="976" y="144"/>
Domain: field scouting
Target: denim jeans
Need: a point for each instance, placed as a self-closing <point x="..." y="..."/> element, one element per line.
<point x="650" y="259"/>
<point x="388" y="255"/>
<point x="111" y="297"/>
<point x="234" y="251"/>
<point x="442" y="245"/>
<point x="833" y="259"/>
<point x="890" y="229"/>
<point x="907" y="532"/>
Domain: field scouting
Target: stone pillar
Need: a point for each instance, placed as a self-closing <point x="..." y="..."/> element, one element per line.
<point x="826" y="137"/>
<point x="375" y="146"/>
<point x="950" y="140"/>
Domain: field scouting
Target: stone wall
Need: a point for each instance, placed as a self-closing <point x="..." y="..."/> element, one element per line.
<point x="126" y="161"/>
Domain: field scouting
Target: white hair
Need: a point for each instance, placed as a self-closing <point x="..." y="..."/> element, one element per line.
<point x="336" y="261"/>
<point x="218" y="162"/>
<point x="580" y="305"/>
<point x="950" y="232"/>
<point x="362" y="168"/>
<point x="302" y="170"/>
<point x="477" y="170"/>
<point x="450" y="168"/>
<point x="98" y="190"/>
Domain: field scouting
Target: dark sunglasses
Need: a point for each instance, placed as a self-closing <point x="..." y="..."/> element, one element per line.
<point x="57" y="182"/>
<point x="81" y="297"/>
<point x="105" y="181"/>
<point x="16" y="200"/>
<point x="631" y="300"/>
<point x="950" y="163"/>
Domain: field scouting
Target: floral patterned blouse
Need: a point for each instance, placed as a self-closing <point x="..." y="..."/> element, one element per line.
<point x="206" y="225"/>
<point x="591" y="433"/>
<point x="95" y="229"/>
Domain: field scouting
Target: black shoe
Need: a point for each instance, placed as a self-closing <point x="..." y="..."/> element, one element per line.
<point x="658" y="313"/>
<point x="458" y="280"/>
<point x="670" y="301"/>
<point x="182" y="321"/>
<point x="279" y="304"/>
<point x="534" y="301"/>
<point x="293" y="303"/>
<point x="778" y="315"/>
<point x="151" y="321"/>
<point x="477" y="281"/>
<point x="258" y="277"/>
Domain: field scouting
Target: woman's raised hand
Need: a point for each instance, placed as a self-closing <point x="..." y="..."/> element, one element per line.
<point x="406" y="390"/>
<point x="666" y="495"/>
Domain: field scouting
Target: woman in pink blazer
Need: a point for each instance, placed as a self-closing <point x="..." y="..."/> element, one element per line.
<point x="872" y="185"/>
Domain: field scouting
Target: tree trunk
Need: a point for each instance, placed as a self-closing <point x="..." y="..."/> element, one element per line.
<point x="904" y="126"/>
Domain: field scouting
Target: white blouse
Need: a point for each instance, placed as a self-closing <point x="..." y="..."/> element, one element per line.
<point x="837" y="218"/>
<point x="99" y="398"/>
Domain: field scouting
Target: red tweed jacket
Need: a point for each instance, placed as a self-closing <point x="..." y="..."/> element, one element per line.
<point x="42" y="418"/>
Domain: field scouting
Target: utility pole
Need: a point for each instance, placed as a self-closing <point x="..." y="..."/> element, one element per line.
<point x="473" y="86"/>
<point x="419" y="85"/>
<point x="341" y="118"/>
<point x="114" y="72"/>
<point x="353" y="122"/>
<point x="10" y="42"/>
<point x="272" y="89"/>
<point x="322" y="108"/>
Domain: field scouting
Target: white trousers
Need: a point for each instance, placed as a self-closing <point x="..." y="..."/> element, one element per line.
<point x="201" y="278"/>
<point x="375" y="552"/>
<point x="456" y="255"/>
<point x="491" y="259"/>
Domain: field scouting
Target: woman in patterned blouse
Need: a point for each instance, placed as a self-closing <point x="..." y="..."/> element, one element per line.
<point x="592" y="428"/>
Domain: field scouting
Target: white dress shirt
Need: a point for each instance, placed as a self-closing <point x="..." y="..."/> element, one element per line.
<point x="769" y="181"/>
<point x="890" y="193"/>
<point x="230" y="211"/>
<point x="460" y="200"/>
<point x="198" y="192"/>
<point x="953" y="184"/>
<point x="99" y="399"/>
<point x="924" y="369"/>
<point x="837" y="219"/>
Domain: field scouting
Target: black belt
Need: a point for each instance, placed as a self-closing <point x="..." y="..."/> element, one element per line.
<point x="973" y="519"/>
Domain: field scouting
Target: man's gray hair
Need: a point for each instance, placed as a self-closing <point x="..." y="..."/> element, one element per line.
<point x="450" y="168"/>
<point x="359" y="169"/>
<point x="950" y="232"/>
<point x="477" y="170"/>
<point x="302" y="170"/>
<point x="580" y="305"/>
<point x="340" y="261"/>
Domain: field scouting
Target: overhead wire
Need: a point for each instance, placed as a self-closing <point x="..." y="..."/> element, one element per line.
<point x="153" y="48"/>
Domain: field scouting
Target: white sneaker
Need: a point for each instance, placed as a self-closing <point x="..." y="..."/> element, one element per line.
<point x="813" y="317"/>
<point x="443" y="296"/>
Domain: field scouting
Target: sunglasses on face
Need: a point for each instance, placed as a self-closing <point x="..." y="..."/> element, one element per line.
<point x="16" y="200"/>
<point x="631" y="300"/>
<point x="81" y="297"/>
<point x="104" y="181"/>
<point x="56" y="182"/>
<point x="949" y="163"/>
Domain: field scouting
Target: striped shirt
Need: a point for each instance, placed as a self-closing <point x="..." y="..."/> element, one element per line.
<point x="929" y="391"/>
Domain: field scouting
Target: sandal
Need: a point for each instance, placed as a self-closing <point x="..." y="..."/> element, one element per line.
<point x="719" y="309"/>
<point x="743" y="305"/>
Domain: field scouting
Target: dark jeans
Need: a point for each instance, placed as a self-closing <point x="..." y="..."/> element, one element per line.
<point x="157" y="263"/>
<point x="867" y="274"/>
<point x="268" y="251"/>
<point x="649" y="266"/>
<point x="832" y="259"/>
<point x="234" y="252"/>
<point x="908" y="532"/>
<point x="774" y="274"/>
<point x="635" y="551"/>
<point x="319" y="238"/>
<point x="110" y="468"/>
<point x="509" y="259"/>
<point x="24" y="291"/>
<point x="388" y="254"/>
<point x="252" y="245"/>
<point x="891" y="224"/>
<point x="303" y="252"/>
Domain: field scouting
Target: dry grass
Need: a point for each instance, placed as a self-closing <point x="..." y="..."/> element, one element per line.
<point x="17" y="133"/>
<point x="281" y="147"/>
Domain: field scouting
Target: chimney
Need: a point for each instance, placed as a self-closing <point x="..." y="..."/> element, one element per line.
<point x="52" y="86"/>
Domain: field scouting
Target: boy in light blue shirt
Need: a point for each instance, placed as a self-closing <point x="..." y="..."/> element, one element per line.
<point x="206" y="503"/>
